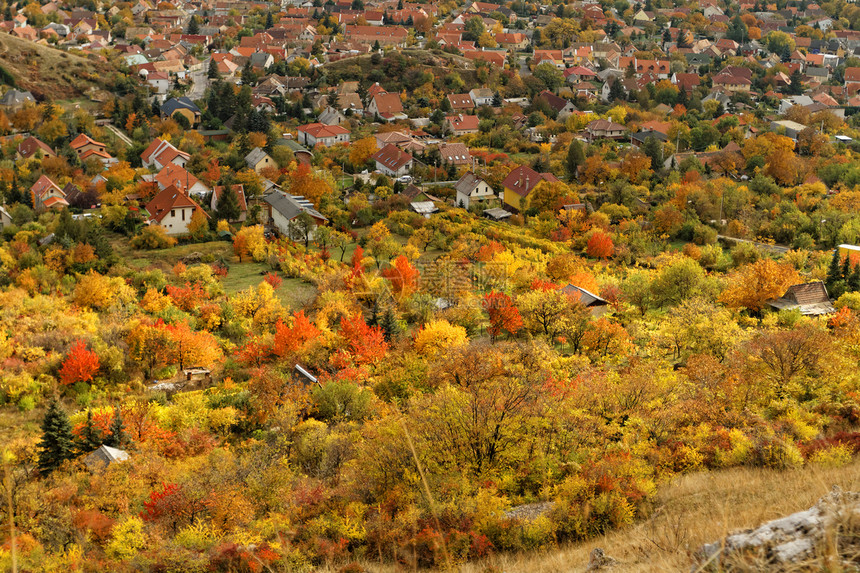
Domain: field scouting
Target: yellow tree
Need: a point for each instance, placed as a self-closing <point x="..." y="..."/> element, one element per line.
<point x="361" y="150"/>
<point x="751" y="286"/>
<point x="439" y="336"/>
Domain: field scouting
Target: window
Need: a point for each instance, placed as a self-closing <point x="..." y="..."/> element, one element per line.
<point x="172" y="213"/>
<point x="183" y="214"/>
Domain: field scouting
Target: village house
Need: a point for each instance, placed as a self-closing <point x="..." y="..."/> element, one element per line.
<point x="184" y="107"/>
<point x="314" y="134"/>
<point x="172" y="209"/>
<point x="520" y="182"/>
<point x="387" y="106"/>
<point x="258" y="160"/>
<point x="471" y="188"/>
<point x="182" y="179"/>
<point x="47" y="195"/>
<point x="461" y="102"/>
<point x="393" y="161"/>
<point x="283" y="214"/>
<point x="31" y="147"/>
<point x="160" y="153"/>
<point x="462" y="124"/>
<point x="83" y="144"/>
<point x="456" y="154"/>
<point x="605" y="129"/>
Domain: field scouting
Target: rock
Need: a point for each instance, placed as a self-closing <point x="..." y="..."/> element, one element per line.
<point x="788" y="540"/>
<point x="529" y="511"/>
<point x="599" y="561"/>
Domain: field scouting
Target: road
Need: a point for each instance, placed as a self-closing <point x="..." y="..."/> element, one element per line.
<point x="773" y="248"/>
<point x="201" y="82"/>
<point x="116" y="131"/>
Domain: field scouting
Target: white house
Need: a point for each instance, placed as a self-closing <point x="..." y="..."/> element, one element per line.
<point x="284" y="210"/>
<point x="173" y="210"/>
<point x="320" y="133"/>
<point x="470" y="188"/>
<point x="393" y="161"/>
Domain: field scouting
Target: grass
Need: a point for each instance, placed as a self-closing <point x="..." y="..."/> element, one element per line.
<point x="684" y="515"/>
<point x="294" y="293"/>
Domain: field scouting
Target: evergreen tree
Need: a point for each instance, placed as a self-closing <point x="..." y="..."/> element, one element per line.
<point x="91" y="438"/>
<point x="575" y="157"/>
<point x="846" y="268"/>
<point x="270" y="22"/>
<point x="653" y="149"/>
<point x="833" y="271"/>
<point x="117" y="437"/>
<point x="193" y="26"/>
<point x="853" y="281"/>
<point x="796" y="86"/>
<point x="374" y="314"/>
<point x="56" y="445"/>
<point x="228" y="204"/>
<point x="213" y="69"/>
<point x="616" y="90"/>
<point x="376" y="46"/>
<point x="390" y="328"/>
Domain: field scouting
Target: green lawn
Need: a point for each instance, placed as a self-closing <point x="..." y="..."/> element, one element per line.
<point x="294" y="293"/>
<point x="166" y="258"/>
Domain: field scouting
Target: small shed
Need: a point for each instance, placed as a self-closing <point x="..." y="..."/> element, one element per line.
<point x="496" y="214"/>
<point x="103" y="457"/>
<point x="591" y="301"/>
<point x="197" y="373"/>
<point x="810" y="298"/>
<point x="424" y="208"/>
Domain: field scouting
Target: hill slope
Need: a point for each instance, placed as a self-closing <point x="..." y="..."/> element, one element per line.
<point x="53" y="73"/>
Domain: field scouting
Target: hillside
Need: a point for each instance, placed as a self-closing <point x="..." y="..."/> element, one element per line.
<point x="48" y="72"/>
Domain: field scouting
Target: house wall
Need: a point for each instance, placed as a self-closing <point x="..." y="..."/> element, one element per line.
<point x="173" y="222"/>
<point x="402" y="171"/>
<point x="265" y="162"/>
<point x="285" y="227"/>
<point x="513" y="199"/>
<point x="481" y="191"/>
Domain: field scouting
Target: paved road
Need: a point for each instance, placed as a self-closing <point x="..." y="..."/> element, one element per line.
<point x="116" y="131"/>
<point x="773" y="248"/>
<point x="201" y="82"/>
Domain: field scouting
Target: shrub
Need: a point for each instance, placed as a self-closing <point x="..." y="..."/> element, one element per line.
<point x="152" y="237"/>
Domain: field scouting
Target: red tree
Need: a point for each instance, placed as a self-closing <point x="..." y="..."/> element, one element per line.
<point x="80" y="365"/>
<point x="403" y="276"/>
<point x="365" y="344"/>
<point x="504" y="316"/>
<point x="600" y="246"/>
<point x="289" y="339"/>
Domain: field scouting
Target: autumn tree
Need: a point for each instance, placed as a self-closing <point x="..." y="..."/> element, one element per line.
<point x="504" y="316"/>
<point x="402" y="276"/>
<point x="80" y="365"/>
<point x="437" y="337"/>
<point x="751" y="286"/>
<point x="600" y="245"/>
<point x="309" y="184"/>
<point x="361" y="150"/>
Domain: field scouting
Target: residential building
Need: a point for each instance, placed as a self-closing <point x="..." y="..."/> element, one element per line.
<point x="47" y="195"/>
<point x="258" y="160"/>
<point x="471" y="188"/>
<point x="84" y="143"/>
<point x="31" y="147"/>
<point x="160" y="153"/>
<point x="520" y="183"/>
<point x="314" y="134"/>
<point x="284" y="210"/>
<point x="455" y="154"/>
<point x="173" y="210"/>
<point x="462" y="124"/>
<point x="393" y="161"/>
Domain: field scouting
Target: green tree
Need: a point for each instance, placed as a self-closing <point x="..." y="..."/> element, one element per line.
<point x="118" y="436"/>
<point x="212" y="74"/>
<point x="550" y="75"/>
<point x="91" y="438"/>
<point x="575" y="157"/>
<point x="653" y="149"/>
<point x="193" y="26"/>
<point x="473" y="29"/>
<point x="228" y="204"/>
<point x="56" y="445"/>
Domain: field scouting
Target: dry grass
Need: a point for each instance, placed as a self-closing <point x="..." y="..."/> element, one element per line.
<point x="687" y="513"/>
<point x="51" y="72"/>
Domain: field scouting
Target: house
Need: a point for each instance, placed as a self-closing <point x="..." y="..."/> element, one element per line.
<point x="852" y="81"/>
<point x="470" y="188"/>
<point x="331" y="116"/>
<point x="160" y="153"/>
<point x="424" y="208"/>
<point x="734" y="79"/>
<point x="181" y="106"/>
<point x="461" y="102"/>
<point x="31" y="147"/>
<point x="313" y="134"/>
<point x="103" y="457"/>
<point x="462" y="124"/>
<point x="105" y="158"/>
<point x="159" y="82"/>
<point x="13" y="100"/>
<point x="258" y="160"/>
<point x="481" y="96"/>
<point x="180" y="178"/>
<point x="218" y="191"/>
<point x="520" y="182"/>
<point x="284" y="210"/>
<point x="559" y="105"/>
<point x="513" y="41"/>
<point x="604" y="129"/>
<point x="809" y="298"/>
<point x="47" y="195"/>
<point x="596" y="305"/>
<point x="387" y="106"/>
<point x="393" y="161"/>
<point x="455" y="154"/>
<point x="173" y="210"/>
<point x="791" y="128"/>
<point x="5" y="217"/>
<point x="84" y="143"/>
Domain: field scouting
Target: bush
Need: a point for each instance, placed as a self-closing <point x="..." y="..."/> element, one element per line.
<point x="341" y="402"/>
<point x="152" y="237"/>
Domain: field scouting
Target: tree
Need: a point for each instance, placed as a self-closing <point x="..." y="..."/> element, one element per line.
<point x="198" y="226"/>
<point x="193" y="26"/>
<point x="473" y="29"/>
<point x="600" y="245"/>
<point x="439" y="336"/>
<point x="117" y="436"/>
<point x="403" y="277"/>
<point x="575" y="157"/>
<point x="361" y="150"/>
<point x="90" y="437"/>
<point x="228" y="204"/>
<point x="654" y="149"/>
<point x="56" y="445"/>
<point x="751" y="286"/>
<point x="80" y="365"/>
<point x="504" y="316"/>
<point x="550" y="75"/>
<point x="212" y="74"/>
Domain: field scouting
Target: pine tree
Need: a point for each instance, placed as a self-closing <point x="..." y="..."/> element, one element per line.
<point x="853" y="281"/>
<point x="228" y="204"/>
<point x="91" y="438"/>
<point x="846" y="268"/>
<point x="213" y="69"/>
<point x="374" y="314"/>
<point x="117" y="437"/>
<point x="270" y="22"/>
<point x="193" y="26"/>
<point x="390" y="328"/>
<point x="833" y="271"/>
<point x="575" y="157"/>
<point x="56" y="445"/>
